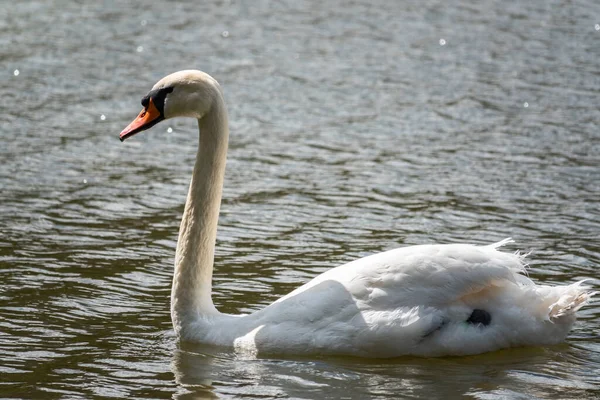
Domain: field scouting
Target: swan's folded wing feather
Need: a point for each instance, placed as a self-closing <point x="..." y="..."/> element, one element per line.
<point x="430" y="275"/>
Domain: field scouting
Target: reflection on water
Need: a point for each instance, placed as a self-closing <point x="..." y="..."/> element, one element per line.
<point x="355" y="128"/>
<point x="507" y="373"/>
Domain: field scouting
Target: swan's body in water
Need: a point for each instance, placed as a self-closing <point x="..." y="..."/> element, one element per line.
<point x="428" y="300"/>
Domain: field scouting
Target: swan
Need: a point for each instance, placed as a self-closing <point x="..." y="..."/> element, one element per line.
<point x="425" y="300"/>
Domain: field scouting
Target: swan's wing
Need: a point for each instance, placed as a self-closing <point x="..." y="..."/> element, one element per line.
<point x="427" y="275"/>
<point x="393" y="301"/>
<point x="420" y="300"/>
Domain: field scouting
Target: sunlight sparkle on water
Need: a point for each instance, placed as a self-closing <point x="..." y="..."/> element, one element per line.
<point x="442" y="42"/>
<point x="526" y="104"/>
<point x="102" y="117"/>
<point x="140" y="49"/>
<point x="169" y="129"/>
<point x="16" y="72"/>
<point x="597" y="27"/>
<point x="225" y="34"/>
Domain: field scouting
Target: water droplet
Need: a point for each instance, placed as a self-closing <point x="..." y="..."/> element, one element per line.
<point x="169" y="129"/>
<point x="526" y="104"/>
<point x="140" y="49"/>
<point x="16" y="72"/>
<point x="597" y="27"/>
<point x="102" y="117"/>
<point x="225" y="34"/>
<point x="85" y="181"/>
<point x="442" y="42"/>
<point x="143" y="22"/>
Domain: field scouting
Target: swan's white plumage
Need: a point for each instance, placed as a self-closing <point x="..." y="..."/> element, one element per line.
<point x="413" y="300"/>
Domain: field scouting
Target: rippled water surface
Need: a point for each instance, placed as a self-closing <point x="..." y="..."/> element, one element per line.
<point x="356" y="127"/>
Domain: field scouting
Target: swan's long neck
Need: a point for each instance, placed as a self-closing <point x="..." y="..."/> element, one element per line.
<point x="192" y="281"/>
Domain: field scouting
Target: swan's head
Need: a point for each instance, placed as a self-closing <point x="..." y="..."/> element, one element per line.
<point x="188" y="93"/>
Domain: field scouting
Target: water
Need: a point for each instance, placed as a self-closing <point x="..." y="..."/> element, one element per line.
<point x="356" y="127"/>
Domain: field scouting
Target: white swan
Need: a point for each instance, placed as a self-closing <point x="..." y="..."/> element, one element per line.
<point x="427" y="300"/>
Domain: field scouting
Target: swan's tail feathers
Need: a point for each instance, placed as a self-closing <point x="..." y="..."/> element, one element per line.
<point x="574" y="297"/>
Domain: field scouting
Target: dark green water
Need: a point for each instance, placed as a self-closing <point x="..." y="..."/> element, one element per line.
<point x="356" y="127"/>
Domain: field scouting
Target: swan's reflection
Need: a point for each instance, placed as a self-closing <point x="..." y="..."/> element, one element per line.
<point x="200" y="368"/>
<point x="194" y="369"/>
<point x="209" y="372"/>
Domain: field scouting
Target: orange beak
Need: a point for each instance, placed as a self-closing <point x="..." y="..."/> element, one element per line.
<point x="148" y="117"/>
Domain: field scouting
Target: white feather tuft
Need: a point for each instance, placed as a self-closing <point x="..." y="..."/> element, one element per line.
<point x="575" y="297"/>
<point x="501" y="243"/>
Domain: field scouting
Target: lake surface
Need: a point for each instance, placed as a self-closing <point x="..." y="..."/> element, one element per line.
<point x="356" y="127"/>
